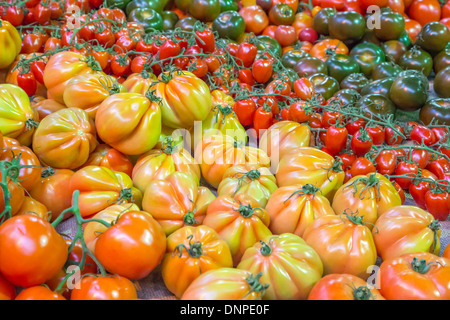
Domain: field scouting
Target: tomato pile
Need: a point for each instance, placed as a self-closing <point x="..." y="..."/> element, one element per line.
<point x="268" y="149"/>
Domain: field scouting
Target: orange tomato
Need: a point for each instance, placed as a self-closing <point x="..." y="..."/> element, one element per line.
<point x="190" y="252"/>
<point x="133" y="246"/>
<point x="27" y="177"/>
<point x="7" y="290"/>
<point x="413" y="28"/>
<point x="302" y="21"/>
<point x="177" y="201"/>
<point x="139" y="82"/>
<point x="101" y="187"/>
<point x="255" y="18"/>
<point x="39" y="293"/>
<point x="46" y="107"/>
<point x="106" y="156"/>
<point x="293" y="209"/>
<point x="406" y="229"/>
<point x="321" y="49"/>
<point x="344" y="244"/>
<point x="104" y="288"/>
<point x="60" y="69"/>
<point x="424" y="11"/>
<point x="17" y="196"/>
<point x="32" y="206"/>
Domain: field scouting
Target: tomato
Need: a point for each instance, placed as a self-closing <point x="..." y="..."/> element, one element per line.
<point x="343" y="287"/>
<point x="135" y="137"/>
<point x="76" y="141"/>
<point x="406" y="229"/>
<point x="386" y="162"/>
<point x="415" y="276"/>
<point x="293" y="209"/>
<point x="362" y="166"/>
<point x="27" y="82"/>
<point x="344" y="244"/>
<point x="226" y="284"/>
<point x="7" y="290"/>
<point x="262" y="70"/>
<point x="104" y="288"/>
<point x="255" y="18"/>
<point x="274" y="256"/>
<point x="370" y="195"/>
<point x="22" y="250"/>
<point x="176" y="201"/>
<point x="438" y="204"/>
<point x="232" y="217"/>
<point x="393" y="137"/>
<point x="425" y="11"/>
<point x="11" y="43"/>
<point x="140" y="253"/>
<point x="13" y="14"/>
<point x="336" y="139"/>
<point x="108" y="157"/>
<point x="61" y="68"/>
<point x="322" y="48"/>
<point x="300" y="113"/>
<point x="194" y="250"/>
<point x="304" y="165"/>
<point x="27" y="177"/>
<point x="409" y="170"/>
<point x="39" y="293"/>
<point x="361" y="143"/>
<point x="17" y="196"/>
<point x="18" y="120"/>
<point x="253" y="182"/>
<point x="191" y="94"/>
<point x="217" y="153"/>
<point x="438" y="167"/>
<point x="283" y="136"/>
<point x="281" y="14"/>
<point x="347" y="26"/>
<point x="245" y="110"/>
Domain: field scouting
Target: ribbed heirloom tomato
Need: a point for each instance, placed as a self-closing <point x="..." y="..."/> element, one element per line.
<point x="129" y="122"/>
<point x="106" y="156"/>
<point x="177" y="201"/>
<point x="27" y="177"/>
<point x="104" y="288"/>
<point x="190" y="252"/>
<point x="288" y="265"/>
<point x="10" y="43"/>
<point x="65" y="139"/>
<point x="292" y="209"/>
<point x="101" y="187"/>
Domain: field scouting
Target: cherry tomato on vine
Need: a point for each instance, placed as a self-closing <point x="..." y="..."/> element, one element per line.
<point x="438" y="204"/>
<point x="27" y="82"/>
<point x="409" y="170"/>
<point x="362" y="166"/>
<point x="422" y="134"/>
<point x="361" y="143"/>
<point x="336" y="139"/>
<point x="245" y="110"/>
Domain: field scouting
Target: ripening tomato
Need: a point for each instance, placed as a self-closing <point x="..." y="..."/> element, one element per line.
<point x="344" y="244"/>
<point x="129" y="122"/>
<point x="139" y="82"/>
<point x="303" y="165"/>
<point x="25" y="242"/>
<point x="177" y="201"/>
<point x="104" y="288"/>
<point x="76" y="138"/>
<point x="415" y="276"/>
<point x="60" y="69"/>
<point x="27" y="177"/>
<point x="370" y="195"/>
<point x="192" y="251"/>
<point x="39" y="293"/>
<point x="217" y="153"/>
<point x="292" y="209"/>
<point x="232" y="218"/>
<point x="88" y="91"/>
<point x="283" y="136"/>
<point x="106" y="156"/>
<point x="406" y="229"/>
<point x="184" y="99"/>
<point x="226" y="284"/>
<point x="424" y="11"/>
<point x="343" y="287"/>
<point x="17" y="196"/>
<point x="159" y="163"/>
<point x="101" y="187"/>
<point x="281" y="259"/>
<point x="46" y="107"/>
<point x="51" y="190"/>
<point x="32" y="206"/>
<point x="133" y="246"/>
<point x="11" y="43"/>
<point x="17" y="119"/>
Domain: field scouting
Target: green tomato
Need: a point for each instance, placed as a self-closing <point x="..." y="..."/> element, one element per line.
<point x="229" y="24"/>
<point x="266" y="43"/>
<point x="309" y="66"/>
<point x="149" y="18"/>
<point x="367" y="55"/>
<point x="170" y="20"/>
<point x="324" y="85"/>
<point x="341" y="65"/>
<point x="156" y="5"/>
<point x="347" y="26"/>
<point x="417" y="59"/>
<point x="409" y="91"/>
<point x="204" y="10"/>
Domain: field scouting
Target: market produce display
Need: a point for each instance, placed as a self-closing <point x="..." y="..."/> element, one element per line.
<point x="227" y="149"/>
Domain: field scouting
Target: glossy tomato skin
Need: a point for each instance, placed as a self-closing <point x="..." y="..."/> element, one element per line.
<point x="407" y="278"/>
<point x="273" y="256"/>
<point x="106" y="156"/>
<point x="138" y="257"/>
<point x="39" y="293"/>
<point x="224" y="284"/>
<point x="104" y="288"/>
<point x="76" y="142"/>
<point x="11" y="43"/>
<point x="20" y="262"/>
<point x="343" y="287"/>
<point x="7" y="290"/>
<point x="190" y="252"/>
<point x="406" y="229"/>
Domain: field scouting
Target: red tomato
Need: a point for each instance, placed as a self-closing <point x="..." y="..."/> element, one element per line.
<point x="361" y="143"/>
<point x="246" y="54"/>
<point x="262" y="120"/>
<point x="422" y="134"/>
<point x="438" y="204"/>
<point x="104" y="288"/>
<point x="205" y="40"/>
<point x="392" y="137"/>
<point x="378" y="134"/>
<point x="27" y="82"/>
<point x="262" y="70"/>
<point x="299" y="112"/>
<point x="362" y="166"/>
<point x="409" y="170"/>
<point x="336" y="139"/>
<point x="245" y="110"/>
<point x="424" y="11"/>
<point x="386" y="161"/>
